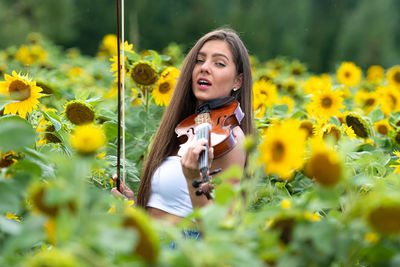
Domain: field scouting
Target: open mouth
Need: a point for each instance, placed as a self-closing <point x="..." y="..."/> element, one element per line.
<point x="204" y="83"/>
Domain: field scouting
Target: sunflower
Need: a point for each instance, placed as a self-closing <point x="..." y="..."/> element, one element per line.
<point x="324" y="164"/>
<point x="144" y="73"/>
<point x="308" y="127"/>
<point x="30" y="55"/>
<point x="389" y="98"/>
<point x="282" y="150"/>
<point x="385" y="217"/>
<point x="325" y="103"/>
<point x="396" y="137"/>
<point x="46" y="130"/>
<point x="267" y="91"/>
<point x="165" y="86"/>
<point x="332" y="131"/>
<point x="290" y="85"/>
<point x="348" y="74"/>
<point x="23" y="91"/>
<point x="359" y="125"/>
<point x="366" y="100"/>
<point x="397" y="165"/>
<point x="297" y="68"/>
<point x="108" y="46"/>
<point x="288" y="101"/>
<point x="317" y="83"/>
<point x="135" y="100"/>
<point x="128" y="48"/>
<point x="393" y="76"/>
<point x="88" y="138"/>
<point x="7" y="159"/>
<point x="78" y="112"/>
<point x="259" y="107"/>
<point x="148" y="245"/>
<point x="375" y="74"/>
<point x="349" y="131"/>
<point x="383" y="127"/>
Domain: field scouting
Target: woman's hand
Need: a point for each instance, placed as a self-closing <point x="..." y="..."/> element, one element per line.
<point x="126" y="191"/>
<point x="190" y="159"/>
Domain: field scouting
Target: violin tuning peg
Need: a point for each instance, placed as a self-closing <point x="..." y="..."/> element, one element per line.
<point x="196" y="183"/>
<point x="199" y="192"/>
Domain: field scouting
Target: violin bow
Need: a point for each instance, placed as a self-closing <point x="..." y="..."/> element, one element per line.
<point x="121" y="95"/>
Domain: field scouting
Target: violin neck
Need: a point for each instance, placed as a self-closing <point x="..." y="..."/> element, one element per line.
<point x="202" y="131"/>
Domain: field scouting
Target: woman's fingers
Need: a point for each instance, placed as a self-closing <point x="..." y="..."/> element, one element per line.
<point x="124" y="190"/>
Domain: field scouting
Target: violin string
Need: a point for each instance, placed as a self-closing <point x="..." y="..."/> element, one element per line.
<point x="123" y="88"/>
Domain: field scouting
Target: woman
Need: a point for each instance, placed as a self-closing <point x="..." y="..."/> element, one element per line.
<point x="217" y="66"/>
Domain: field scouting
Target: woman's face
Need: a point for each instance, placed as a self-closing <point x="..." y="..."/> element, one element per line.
<point x="214" y="74"/>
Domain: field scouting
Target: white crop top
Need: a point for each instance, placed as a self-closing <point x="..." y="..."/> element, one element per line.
<point x="169" y="190"/>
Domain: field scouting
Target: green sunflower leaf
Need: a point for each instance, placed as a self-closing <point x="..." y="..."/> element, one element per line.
<point x="15" y="133"/>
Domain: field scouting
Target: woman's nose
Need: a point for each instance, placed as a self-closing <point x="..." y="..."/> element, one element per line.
<point x="205" y="67"/>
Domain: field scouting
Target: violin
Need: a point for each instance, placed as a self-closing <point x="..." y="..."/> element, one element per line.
<point x="213" y="121"/>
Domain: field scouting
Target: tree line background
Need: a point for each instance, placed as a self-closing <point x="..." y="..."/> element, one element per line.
<point x="320" y="33"/>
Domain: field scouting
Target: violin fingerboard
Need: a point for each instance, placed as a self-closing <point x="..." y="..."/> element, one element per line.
<point x="203" y="131"/>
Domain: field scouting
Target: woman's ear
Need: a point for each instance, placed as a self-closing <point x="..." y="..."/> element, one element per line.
<point x="238" y="81"/>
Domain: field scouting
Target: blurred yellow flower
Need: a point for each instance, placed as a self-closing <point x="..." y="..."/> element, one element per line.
<point x="87" y="139"/>
<point x="23" y="91"/>
<point x="12" y="216"/>
<point x="135" y="97"/>
<point x="348" y="74"/>
<point x="281" y="150"/>
<point x="285" y="204"/>
<point x="375" y="74"/>
<point x="389" y="98"/>
<point x="265" y="92"/>
<point x="288" y="101"/>
<point x="312" y="217"/>
<point x="30" y="55"/>
<point x="323" y="165"/>
<point x="315" y="84"/>
<point x="366" y="100"/>
<point x="371" y="238"/>
<point x="76" y="71"/>
<point x="393" y="76"/>
<point x="383" y="127"/>
<point x="385" y="217"/>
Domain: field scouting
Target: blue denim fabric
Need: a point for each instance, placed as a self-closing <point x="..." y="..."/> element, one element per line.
<point x="187" y="234"/>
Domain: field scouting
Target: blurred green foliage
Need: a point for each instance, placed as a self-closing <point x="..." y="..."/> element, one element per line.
<point x="319" y="33"/>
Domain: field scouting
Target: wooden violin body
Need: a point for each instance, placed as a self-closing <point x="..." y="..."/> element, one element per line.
<point x="223" y="120"/>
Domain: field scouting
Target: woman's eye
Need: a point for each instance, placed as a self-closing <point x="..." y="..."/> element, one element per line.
<point x="199" y="60"/>
<point x="220" y="64"/>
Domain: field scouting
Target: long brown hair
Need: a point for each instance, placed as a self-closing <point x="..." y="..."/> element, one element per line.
<point x="183" y="104"/>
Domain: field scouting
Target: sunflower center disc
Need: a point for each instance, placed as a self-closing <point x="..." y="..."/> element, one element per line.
<point x="278" y="151"/>
<point x="326" y="102"/>
<point x="164" y="88"/>
<point x="19" y="90"/>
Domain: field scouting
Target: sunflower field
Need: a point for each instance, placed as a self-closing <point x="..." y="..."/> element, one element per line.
<point x="321" y="187"/>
